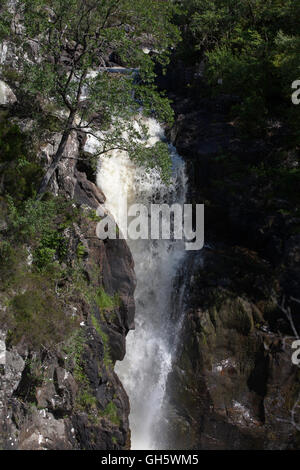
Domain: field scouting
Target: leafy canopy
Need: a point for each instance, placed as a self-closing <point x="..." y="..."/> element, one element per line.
<point x="253" y="46"/>
<point x="64" y="43"/>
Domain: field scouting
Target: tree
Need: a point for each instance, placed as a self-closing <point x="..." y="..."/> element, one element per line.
<point x="73" y="39"/>
<point x="211" y="23"/>
<point x="253" y="46"/>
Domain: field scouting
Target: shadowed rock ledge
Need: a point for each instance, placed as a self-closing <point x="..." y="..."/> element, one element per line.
<point x="233" y="383"/>
<point x="69" y="397"/>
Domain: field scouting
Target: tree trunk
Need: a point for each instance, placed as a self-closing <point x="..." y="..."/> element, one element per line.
<point x="58" y="155"/>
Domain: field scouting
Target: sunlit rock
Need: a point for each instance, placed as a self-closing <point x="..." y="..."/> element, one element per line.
<point x="7" y="96"/>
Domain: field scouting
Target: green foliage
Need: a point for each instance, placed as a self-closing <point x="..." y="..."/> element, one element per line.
<point x="12" y="264"/>
<point x="52" y="244"/>
<point x="21" y="171"/>
<point x="285" y="181"/>
<point x="251" y="114"/>
<point x="6" y="251"/>
<point x="253" y="47"/>
<point x="80" y="251"/>
<point x="87" y="32"/>
<point x="74" y="349"/>
<point x="286" y="60"/>
<point x="41" y="224"/>
<point x="111" y="413"/>
<point x="105" y="341"/>
<point x="30" y="271"/>
<point x="86" y="400"/>
<point x="211" y="23"/>
<point x="36" y="218"/>
<point x="10" y="75"/>
<point x="9" y="259"/>
<point x="36" y="315"/>
<point x="12" y="142"/>
<point x="5" y="20"/>
<point x="92" y="215"/>
<point x="105" y="301"/>
<point x="157" y="156"/>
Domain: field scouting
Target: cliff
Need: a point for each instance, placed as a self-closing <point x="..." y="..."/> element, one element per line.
<point x="233" y="383"/>
<point x="65" y="320"/>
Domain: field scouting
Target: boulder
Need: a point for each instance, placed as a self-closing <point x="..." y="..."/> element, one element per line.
<point x="7" y="96"/>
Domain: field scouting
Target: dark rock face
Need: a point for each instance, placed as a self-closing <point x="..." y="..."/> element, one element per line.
<point x="233" y="384"/>
<point x="71" y="398"/>
<point x="86" y="192"/>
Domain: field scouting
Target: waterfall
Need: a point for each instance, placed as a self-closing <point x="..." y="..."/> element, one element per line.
<point x="148" y="360"/>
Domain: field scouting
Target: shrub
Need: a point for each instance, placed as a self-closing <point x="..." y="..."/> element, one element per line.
<point x="36" y="315"/>
<point x="52" y="245"/>
<point x="41" y="225"/>
<point x="111" y="413"/>
<point x="81" y="250"/>
<point x="21" y="170"/>
<point x="85" y="399"/>
<point x="105" y="341"/>
<point x="104" y="301"/>
<point x="12" y="260"/>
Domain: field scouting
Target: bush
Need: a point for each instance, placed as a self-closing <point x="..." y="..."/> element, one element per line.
<point x="21" y="170"/>
<point x="52" y="245"/>
<point x="111" y="413"/>
<point x="12" y="260"/>
<point x="252" y="46"/>
<point x="81" y="251"/>
<point x="105" y="341"/>
<point x="36" y="315"/>
<point x="41" y="225"/>
<point x="105" y="301"/>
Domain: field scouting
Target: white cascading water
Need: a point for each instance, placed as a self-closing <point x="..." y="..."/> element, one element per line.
<point x="148" y="360"/>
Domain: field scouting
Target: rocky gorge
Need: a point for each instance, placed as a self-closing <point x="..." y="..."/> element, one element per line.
<point x="233" y="383"/>
<point x="209" y="365"/>
<point x="70" y="397"/>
